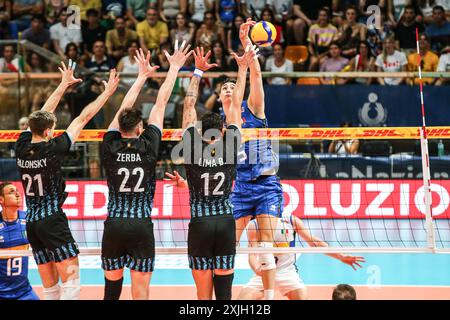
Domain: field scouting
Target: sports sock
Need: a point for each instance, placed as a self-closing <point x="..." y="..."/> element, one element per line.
<point x="113" y="289"/>
<point x="222" y="286"/>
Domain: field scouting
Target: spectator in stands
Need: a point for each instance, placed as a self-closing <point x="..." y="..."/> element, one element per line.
<point x="197" y="9"/>
<point x="439" y="30"/>
<point x="391" y="60"/>
<point x="225" y="11"/>
<point x="9" y="62"/>
<point x="38" y="89"/>
<point x="92" y="31"/>
<point x="209" y="32"/>
<point x="365" y="4"/>
<point x="128" y="64"/>
<point x="334" y="63"/>
<point x="151" y="32"/>
<point x="351" y="33"/>
<point x="95" y="170"/>
<point x="344" y="146"/>
<point x="52" y="9"/>
<point x="344" y="292"/>
<point x="339" y="7"/>
<point x="112" y="9"/>
<point x="99" y="61"/>
<point x="320" y="36"/>
<point x="426" y="9"/>
<point x="35" y="64"/>
<point x="253" y="8"/>
<point x="213" y="103"/>
<point x="23" y="11"/>
<point x="61" y="35"/>
<point x="183" y="31"/>
<point x="375" y="37"/>
<point x="362" y="62"/>
<point x="219" y="57"/>
<point x="5" y="16"/>
<point x="233" y="34"/>
<point x="278" y="63"/>
<point x="168" y="10"/>
<point x="405" y="33"/>
<point x="118" y="38"/>
<point x="136" y="10"/>
<point x="444" y="65"/>
<point x="73" y="52"/>
<point x="284" y="16"/>
<point x="23" y="123"/>
<point x="306" y="12"/>
<point x="85" y="5"/>
<point x="396" y="9"/>
<point x="37" y="33"/>
<point x="429" y="60"/>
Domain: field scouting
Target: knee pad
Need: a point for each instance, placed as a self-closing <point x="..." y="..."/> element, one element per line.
<point x="71" y="290"/>
<point x="52" y="293"/>
<point x="267" y="260"/>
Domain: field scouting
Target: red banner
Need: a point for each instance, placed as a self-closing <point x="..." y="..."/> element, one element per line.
<point x="337" y="199"/>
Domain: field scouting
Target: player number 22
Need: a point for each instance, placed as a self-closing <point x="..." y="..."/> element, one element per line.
<point x="216" y="191"/>
<point x="14" y="263"/>
<point x="136" y="171"/>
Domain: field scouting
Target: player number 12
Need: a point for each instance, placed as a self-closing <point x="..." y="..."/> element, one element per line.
<point x="216" y="191"/>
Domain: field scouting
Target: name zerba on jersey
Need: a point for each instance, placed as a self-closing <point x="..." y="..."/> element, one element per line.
<point x="32" y="164"/>
<point x="128" y="157"/>
<point x="209" y="163"/>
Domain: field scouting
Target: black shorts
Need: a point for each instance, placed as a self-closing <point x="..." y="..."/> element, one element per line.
<point x="212" y="243"/>
<point x="51" y="239"/>
<point x="128" y="242"/>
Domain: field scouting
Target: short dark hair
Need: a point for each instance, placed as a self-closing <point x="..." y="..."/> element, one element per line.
<point x="441" y="8"/>
<point x="129" y="119"/>
<point x="211" y="120"/>
<point x="38" y="17"/>
<point x="40" y="120"/>
<point x="410" y="7"/>
<point x="226" y="80"/>
<point x="3" y="185"/>
<point x="91" y="12"/>
<point x="344" y="292"/>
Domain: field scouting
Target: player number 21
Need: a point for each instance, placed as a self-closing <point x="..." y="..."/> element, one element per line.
<point x="29" y="180"/>
<point x="14" y="263"/>
<point x="216" y="191"/>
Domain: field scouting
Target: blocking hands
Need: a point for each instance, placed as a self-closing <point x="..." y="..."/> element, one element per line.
<point x="145" y="68"/>
<point x="201" y="60"/>
<point x="250" y="54"/>
<point x="112" y="84"/>
<point x="179" y="56"/>
<point x="68" y="78"/>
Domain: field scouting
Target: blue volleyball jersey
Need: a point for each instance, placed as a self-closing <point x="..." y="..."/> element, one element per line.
<point x="256" y="157"/>
<point x="14" y="270"/>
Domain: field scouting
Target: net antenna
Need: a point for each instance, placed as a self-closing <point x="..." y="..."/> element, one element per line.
<point x="431" y="241"/>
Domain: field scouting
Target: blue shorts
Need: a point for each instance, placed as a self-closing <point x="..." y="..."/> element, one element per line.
<point x="29" y="295"/>
<point x="261" y="196"/>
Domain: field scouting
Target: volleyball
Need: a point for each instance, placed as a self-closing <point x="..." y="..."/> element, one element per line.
<point x="263" y="34"/>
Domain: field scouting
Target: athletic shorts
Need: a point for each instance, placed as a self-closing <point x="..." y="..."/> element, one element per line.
<point x="212" y="243"/>
<point x="29" y="295"/>
<point x="25" y="293"/>
<point x="128" y="242"/>
<point x="261" y="196"/>
<point x="51" y="240"/>
<point x="286" y="280"/>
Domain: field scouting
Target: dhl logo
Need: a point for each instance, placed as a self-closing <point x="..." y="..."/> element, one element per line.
<point x="281" y="134"/>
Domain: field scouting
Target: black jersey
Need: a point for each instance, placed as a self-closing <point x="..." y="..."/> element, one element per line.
<point x="210" y="170"/>
<point x="39" y="165"/>
<point x="130" y="170"/>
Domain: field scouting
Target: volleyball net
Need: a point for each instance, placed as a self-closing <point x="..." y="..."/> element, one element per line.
<point x="371" y="201"/>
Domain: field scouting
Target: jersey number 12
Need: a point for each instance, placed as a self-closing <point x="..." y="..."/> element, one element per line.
<point x="217" y="176"/>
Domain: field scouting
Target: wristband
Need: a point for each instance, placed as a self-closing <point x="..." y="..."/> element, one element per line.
<point x="198" y="73"/>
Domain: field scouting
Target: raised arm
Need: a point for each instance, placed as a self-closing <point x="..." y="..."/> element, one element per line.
<point x="91" y="109"/>
<point x="145" y="71"/>
<point x="201" y="65"/>
<point x="67" y="80"/>
<point x="256" y="96"/>
<point x="243" y="62"/>
<point x="313" y="241"/>
<point x="177" y="60"/>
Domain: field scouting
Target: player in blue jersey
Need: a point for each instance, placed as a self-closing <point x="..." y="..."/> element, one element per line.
<point x="39" y="158"/>
<point x="287" y="279"/>
<point x="257" y="191"/>
<point x="129" y="154"/>
<point x="14" y="284"/>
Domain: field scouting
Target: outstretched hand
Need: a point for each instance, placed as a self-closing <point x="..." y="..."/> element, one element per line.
<point x="177" y="179"/>
<point x="201" y="60"/>
<point x="179" y="56"/>
<point x="244" y="30"/>
<point x="145" y="68"/>
<point x="250" y="54"/>
<point x="352" y="261"/>
<point x="68" y="78"/>
<point x="112" y="84"/>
